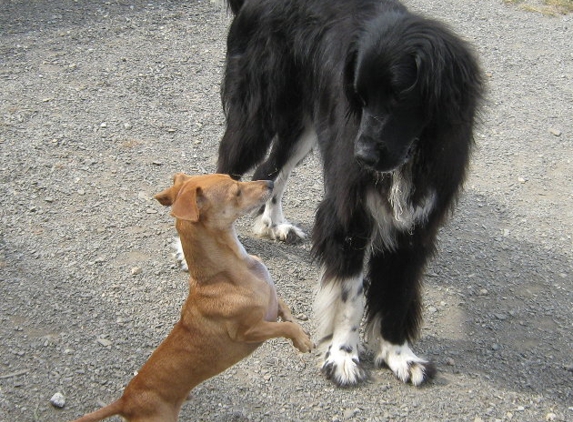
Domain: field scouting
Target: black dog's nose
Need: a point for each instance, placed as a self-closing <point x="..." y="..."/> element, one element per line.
<point x="366" y="155"/>
<point x="270" y="184"/>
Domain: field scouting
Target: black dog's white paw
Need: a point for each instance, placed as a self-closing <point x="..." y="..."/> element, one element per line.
<point x="284" y="231"/>
<point x="343" y="367"/>
<point x="405" y="364"/>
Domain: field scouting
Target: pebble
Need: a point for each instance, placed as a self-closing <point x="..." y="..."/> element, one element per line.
<point x="58" y="400"/>
<point x="350" y="413"/>
<point x="143" y="196"/>
<point x="104" y="342"/>
<point x="550" y="416"/>
<point x="555" y="132"/>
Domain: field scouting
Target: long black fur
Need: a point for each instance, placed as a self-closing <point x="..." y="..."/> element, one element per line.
<point x="386" y="90"/>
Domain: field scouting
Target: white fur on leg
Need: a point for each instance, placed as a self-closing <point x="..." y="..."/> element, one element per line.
<point x="179" y="255"/>
<point x="272" y="223"/>
<point x="339" y="307"/>
<point x="399" y="358"/>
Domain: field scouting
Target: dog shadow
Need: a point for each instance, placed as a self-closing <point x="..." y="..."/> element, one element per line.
<point x="497" y="303"/>
<point x="496" y="306"/>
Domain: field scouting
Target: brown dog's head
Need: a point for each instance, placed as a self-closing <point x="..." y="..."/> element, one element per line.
<point x="214" y="199"/>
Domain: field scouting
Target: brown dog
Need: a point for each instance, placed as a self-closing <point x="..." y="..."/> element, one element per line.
<point x="232" y="305"/>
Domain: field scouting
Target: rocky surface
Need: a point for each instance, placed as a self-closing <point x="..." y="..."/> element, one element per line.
<point x="101" y="102"/>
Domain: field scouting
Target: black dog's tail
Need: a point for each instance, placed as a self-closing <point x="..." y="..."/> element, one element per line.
<point x="235" y="5"/>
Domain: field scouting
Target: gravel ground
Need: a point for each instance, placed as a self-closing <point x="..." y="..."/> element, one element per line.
<point x="101" y="102"/>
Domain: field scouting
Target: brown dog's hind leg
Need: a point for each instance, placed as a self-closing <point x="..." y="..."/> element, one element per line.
<point x="284" y="311"/>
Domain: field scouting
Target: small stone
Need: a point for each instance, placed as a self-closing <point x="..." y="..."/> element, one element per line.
<point x="151" y="211"/>
<point x="432" y="310"/>
<point x="104" y="342"/>
<point x="501" y="317"/>
<point x="450" y="362"/>
<point x="103" y="125"/>
<point x="521" y="179"/>
<point x="350" y="413"/>
<point x="58" y="400"/>
<point x="81" y="192"/>
<point x="483" y="292"/>
<point x="142" y="196"/>
<point x="302" y="317"/>
<point x="157" y="163"/>
<point x="554" y="132"/>
<point x="127" y="126"/>
<point x="550" y="416"/>
<point x="495" y="346"/>
<point x="136" y="270"/>
<point x="49" y="199"/>
<point x="171" y="130"/>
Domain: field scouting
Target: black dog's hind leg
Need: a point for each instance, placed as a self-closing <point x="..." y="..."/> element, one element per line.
<point x="394" y="307"/>
<point x="288" y="150"/>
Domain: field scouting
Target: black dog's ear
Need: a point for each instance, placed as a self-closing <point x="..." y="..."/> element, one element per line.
<point x="356" y="103"/>
<point x="418" y="70"/>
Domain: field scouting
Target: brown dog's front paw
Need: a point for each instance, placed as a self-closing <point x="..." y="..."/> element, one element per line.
<point x="303" y="342"/>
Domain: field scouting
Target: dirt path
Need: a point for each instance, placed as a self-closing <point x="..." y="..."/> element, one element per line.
<point x="101" y="102"/>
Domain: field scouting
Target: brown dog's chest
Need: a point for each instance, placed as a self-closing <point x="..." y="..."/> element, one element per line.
<point x="262" y="274"/>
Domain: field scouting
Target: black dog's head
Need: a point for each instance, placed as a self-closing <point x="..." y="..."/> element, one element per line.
<point x="403" y="71"/>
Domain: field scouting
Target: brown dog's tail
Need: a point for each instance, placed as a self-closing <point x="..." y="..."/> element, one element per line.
<point x="105" y="412"/>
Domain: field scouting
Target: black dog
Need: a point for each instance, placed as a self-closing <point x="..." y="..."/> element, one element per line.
<point x="390" y="97"/>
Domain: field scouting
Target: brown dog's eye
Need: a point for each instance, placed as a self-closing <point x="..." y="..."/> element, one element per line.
<point x="239" y="192"/>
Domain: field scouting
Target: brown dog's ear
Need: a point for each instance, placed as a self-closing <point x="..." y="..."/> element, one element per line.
<point x="186" y="206"/>
<point x="168" y="196"/>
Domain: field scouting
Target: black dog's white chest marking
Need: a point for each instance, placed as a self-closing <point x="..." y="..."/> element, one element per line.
<point x="401" y="215"/>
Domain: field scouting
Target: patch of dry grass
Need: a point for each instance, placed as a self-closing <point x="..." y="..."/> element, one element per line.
<point x="545" y="7"/>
